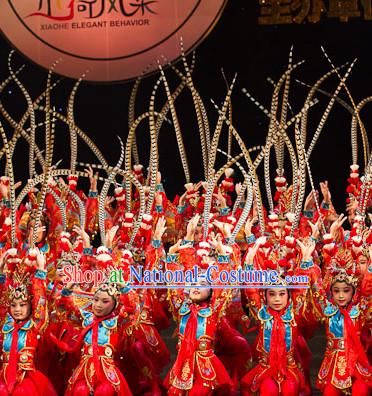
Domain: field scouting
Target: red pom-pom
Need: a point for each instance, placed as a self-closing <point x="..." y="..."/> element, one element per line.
<point x="269" y="264"/>
<point x="283" y="263"/>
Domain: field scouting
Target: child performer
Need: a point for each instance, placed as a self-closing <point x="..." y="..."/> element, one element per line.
<point x="100" y="336"/>
<point x="345" y="367"/>
<point x="276" y="311"/>
<point x="197" y="371"/>
<point x="23" y="324"/>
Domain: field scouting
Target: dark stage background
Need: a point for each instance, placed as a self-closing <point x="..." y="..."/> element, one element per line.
<point x="237" y="44"/>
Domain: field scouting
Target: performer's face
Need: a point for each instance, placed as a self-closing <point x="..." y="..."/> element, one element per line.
<point x="20" y="310"/>
<point x="351" y="216"/>
<point x="103" y="304"/>
<point x="198" y="234"/>
<point x="60" y="273"/>
<point x="201" y="293"/>
<point x="342" y="293"/>
<point x="277" y="299"/>
<point x="363" y="264"/>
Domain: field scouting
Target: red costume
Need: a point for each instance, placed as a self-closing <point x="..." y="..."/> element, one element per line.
<point x="100" y="337"/>
<point x="19" y="341"/>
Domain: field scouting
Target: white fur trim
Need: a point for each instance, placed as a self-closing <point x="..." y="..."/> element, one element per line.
<point x="229" y="172"/>
<point x="204" y="245"/>
<point x="290" y="217"/>
<point x="104" y="258"/>
<point x="12" y="252"/>
<point x="202" y="252"/>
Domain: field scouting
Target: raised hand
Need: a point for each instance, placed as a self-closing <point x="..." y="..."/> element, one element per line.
<point x="160" y="229"/>
<point x="307" y="248"/>
<point x="325" y="191"/>
<point x="220" y="198"/>
<point x="336" y="225"/>
<point x="310" y="200"/>
<point x="191" y="227"/>
<point x="352" y="205"/>
<point x="92" y="179"/>
<point x="110" y="235"/>
<point x="158" y="199"/>
<point x="109" y="200"/>
<point x="223" y="227"/>
<point x="314" y="229"/>
<point x="158" y="178"/>
<point x="5" y="189"/>
<point x="253" y="250"/>
<point x="40" y="261"/>
<point x="181" y="202"/>
<point x="177" y="247"/>
<point x="218" y="245"/>
<point x="84" y="236"/>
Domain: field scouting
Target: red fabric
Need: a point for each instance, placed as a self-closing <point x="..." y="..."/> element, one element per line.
<point x="330" y="390"/>
<point x="158" y="354"/>
<point x="81" y="386"/>
<point x="188" y="344"/>
<point x="11" y="372"/>
<point x="34" y="384"/>
<point x="41" y="384"/>
<point x="63" y="363"/>
<point x="289" y="388"/>
<point x="73" y="348"/>
<point x="360" y="388"/>
<point x="277" y="342"/>
<point x="104" y="389"/>
<point x="96" y="362"/>
<point x="354" y="348"/>
<point x="234" y="351"/>
<point x="269" y="387"/>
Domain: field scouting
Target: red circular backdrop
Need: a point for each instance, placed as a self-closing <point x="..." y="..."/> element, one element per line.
<point x="112" y="39"/>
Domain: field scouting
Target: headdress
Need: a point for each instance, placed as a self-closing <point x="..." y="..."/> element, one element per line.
<point x="343" y="268"/>
<point x="345" y="275"/>
<point x="71" y="258"/>
<point x="19" y="292"/>
<point x="120" y="195"/>
<point x="72" y="181"/>
<point x="138" y="172"/>
<point x="20" y="270"/>
<point x="112" y="289"/>
<point x="103" y="258"/>
<point x="227" y="183"/>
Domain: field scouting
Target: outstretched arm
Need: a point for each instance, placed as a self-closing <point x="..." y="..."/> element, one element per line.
<point x="39" y="305"/>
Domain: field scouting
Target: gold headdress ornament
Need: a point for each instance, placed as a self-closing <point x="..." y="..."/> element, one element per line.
<point x="18" y="292"/>
<point x="112" y="289"/>
<point x="21" y="275"/>
<point x="343" y="275"/>
<point x="343" y="269"/>
<point x="71" y="258"/>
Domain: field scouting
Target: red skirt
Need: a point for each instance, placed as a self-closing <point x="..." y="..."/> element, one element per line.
<point x="208" y="371"/>
<point x="253" y="379"/>
<point x="108" y="373"/>
<point x="41" y="384"/>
